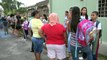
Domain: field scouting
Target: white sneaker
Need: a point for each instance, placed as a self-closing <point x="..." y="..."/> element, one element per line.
<point x="81" y="58"/>
<point x="24" y="39"/>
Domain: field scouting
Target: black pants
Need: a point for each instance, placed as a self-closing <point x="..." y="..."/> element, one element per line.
<point x="32" y="50"/>
<point x="25" y="34"/>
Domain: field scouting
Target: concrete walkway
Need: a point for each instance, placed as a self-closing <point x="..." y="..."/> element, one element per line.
<point x="15" y="48"/>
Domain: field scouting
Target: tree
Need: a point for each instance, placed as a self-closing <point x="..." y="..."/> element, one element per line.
<point x="10" y="6"/>
<point x="22" y="10"/>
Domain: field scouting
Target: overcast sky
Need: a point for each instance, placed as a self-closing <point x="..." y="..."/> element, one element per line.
<point x="29" y="2"/>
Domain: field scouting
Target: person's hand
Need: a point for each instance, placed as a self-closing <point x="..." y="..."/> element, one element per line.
<point x="66" y="45"/>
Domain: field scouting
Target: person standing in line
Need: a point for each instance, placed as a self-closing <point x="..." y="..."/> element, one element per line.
<point x="55" y="37"/>
<point x="30" y="31"/>
<point x="18" y="24"/>
<point x="5" y="24"/>
<point x="12" y="20"/>
<point x="25" y="28"/>
<point x="95" y="43"/>
<point x="69" y="31"/>
<point x="44" y="19"/>
<point x="74" y="41"/>
<point x="66" y="19"/>
<point x="35" y="25"/>
<point x="84" y="14"/>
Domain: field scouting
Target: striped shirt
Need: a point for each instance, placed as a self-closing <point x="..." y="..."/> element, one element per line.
<point x="73" y="39"/>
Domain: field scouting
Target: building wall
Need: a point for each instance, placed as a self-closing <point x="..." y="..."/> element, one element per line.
<point x="60" y="6"/>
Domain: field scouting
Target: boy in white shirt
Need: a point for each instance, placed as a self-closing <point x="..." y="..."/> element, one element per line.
<point x="95" y="44"/>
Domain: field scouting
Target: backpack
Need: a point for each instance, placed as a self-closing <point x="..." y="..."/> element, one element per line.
<point x="83" y="30"/>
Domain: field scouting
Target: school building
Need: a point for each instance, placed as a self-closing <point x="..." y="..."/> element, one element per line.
<point x="60" y="6"/>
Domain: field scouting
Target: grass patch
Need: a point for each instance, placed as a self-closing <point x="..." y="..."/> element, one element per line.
<point x="102" y="57"/>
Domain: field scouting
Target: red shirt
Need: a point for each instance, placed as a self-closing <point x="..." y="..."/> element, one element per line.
<point x="54" y="34"/>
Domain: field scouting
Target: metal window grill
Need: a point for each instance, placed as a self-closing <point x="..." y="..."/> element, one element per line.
<point x="102" y="8"/>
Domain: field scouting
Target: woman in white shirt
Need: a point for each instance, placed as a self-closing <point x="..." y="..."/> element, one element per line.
<point x="84" y="14"/>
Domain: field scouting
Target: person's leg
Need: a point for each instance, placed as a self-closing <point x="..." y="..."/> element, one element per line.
<point x="88" y="51"/>
<point x="25" y="34"/>
<point x="7" y="29"/>
<point x="13" y="28"/>
<point x="37" y="56"/>
<point x="84" y="55"/>
<point x="51" y="51"/>
<point x="60" y="51"/>
<point x="69" y="40"/>
<point x="97" y="51"/>
<point x="38" y="46"/>
<point x="17" y="30"/>
<point x="95" y="48"/>
<point x="39" y="43"/>
<point x="73" y="53"/>
<point x="45" y="49"/>
<point x="4" y="29"/>
<point x="32" y="50"/>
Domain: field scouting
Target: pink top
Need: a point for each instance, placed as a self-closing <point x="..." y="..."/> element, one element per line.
<point x="25" y="25"/>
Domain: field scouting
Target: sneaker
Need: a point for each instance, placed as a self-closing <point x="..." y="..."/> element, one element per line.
<point x="24" y="39"/>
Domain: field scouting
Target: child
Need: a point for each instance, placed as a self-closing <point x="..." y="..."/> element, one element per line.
<point x="84" y="14"/>
<point x="76" y="34"/>
<point x="5" y="25"/>
<point x="95" y="44"/>
<point x="25" y="27"/>
<point x="44" y="19"/>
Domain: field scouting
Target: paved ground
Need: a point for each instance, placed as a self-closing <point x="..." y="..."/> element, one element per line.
<point x="13" y="48"/>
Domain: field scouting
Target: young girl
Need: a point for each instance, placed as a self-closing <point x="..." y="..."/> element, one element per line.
<point x="69" y="31"/>
<point x="84" y="14"/>
<point x="95" y="44"/>
<point x="54" y="34"/>
<point x="44" y="19"/>
<point x="25" y="28"/>
<point x="5" y="25"/>
<point x="73" y="25"/>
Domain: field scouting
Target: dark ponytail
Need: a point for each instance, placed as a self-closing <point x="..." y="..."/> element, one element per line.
<point x="75" y="18"/>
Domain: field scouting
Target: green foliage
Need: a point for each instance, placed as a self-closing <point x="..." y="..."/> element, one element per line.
<point x="22" y="10"/>
<point x="12" y="6"/>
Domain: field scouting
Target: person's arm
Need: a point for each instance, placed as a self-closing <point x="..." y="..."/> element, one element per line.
<point x="99" y="30"/>
<point x="65" y="36"/>
<point x="68" y="27"/>
<point x="29" y="29"/>
<point x="41" y="33"/>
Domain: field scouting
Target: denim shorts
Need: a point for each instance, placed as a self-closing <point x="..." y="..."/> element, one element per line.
<point x="38" y="44"/>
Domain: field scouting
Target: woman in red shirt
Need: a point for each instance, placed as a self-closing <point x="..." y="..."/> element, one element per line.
<point x="54" y="34"/>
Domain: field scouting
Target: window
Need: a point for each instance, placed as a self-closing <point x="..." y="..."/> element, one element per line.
<point x="102" y="8"/>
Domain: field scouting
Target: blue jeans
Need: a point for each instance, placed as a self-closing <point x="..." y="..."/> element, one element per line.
<point x="38" y="44"/>
<point x="86" y="49"/>
<point x="69" y="40"/>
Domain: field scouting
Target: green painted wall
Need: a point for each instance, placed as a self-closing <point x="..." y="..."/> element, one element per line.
<point x="60" y="6"/>
<point x="104" y="28"/>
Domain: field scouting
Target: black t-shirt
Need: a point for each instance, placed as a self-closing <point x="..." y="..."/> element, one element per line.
<point x="18" y="17"/>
